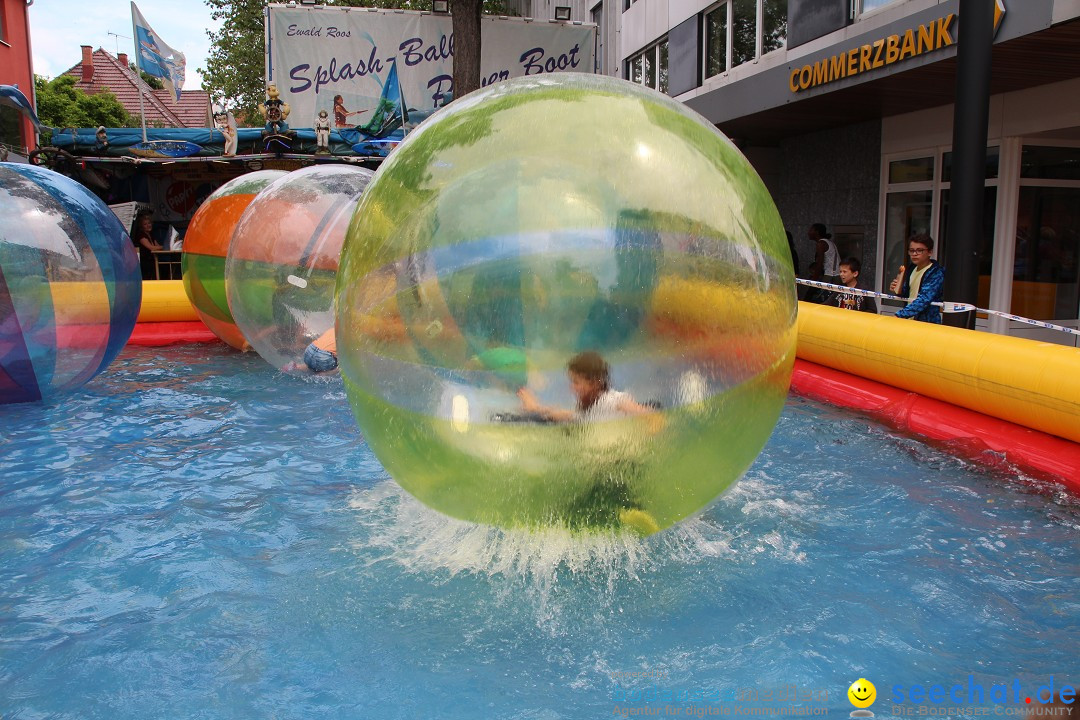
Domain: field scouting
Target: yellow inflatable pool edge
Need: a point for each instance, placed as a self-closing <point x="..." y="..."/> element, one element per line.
<point x="1034" y="384"/>
<point x="162" y="301"/>
<point x="165" y="301"/>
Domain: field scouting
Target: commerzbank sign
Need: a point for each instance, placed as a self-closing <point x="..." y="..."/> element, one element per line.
<point x="913" y="42"/>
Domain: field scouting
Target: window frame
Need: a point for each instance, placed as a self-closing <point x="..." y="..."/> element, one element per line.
<point x="729" y="36"/>
<point x="598" y="60"/>
<point x="1015" y="328"/>
<point x="860" y="10"/>
<point x="935" y="186"/>
<point x="726" y="5"/>
<point x="660" y="72"/>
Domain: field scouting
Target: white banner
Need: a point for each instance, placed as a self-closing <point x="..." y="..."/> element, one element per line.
<point x="339" y="60"/>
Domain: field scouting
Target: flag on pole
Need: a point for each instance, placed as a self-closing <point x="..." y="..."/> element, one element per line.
<point x="156" y="58"/>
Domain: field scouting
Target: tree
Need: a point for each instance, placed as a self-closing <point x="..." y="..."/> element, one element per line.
<point x="60" y="104"/>
<point x="466" y="15"/>
<point x="234" y="72"/>
<point x="234" y="68"/>
<point x="150" y="80"/>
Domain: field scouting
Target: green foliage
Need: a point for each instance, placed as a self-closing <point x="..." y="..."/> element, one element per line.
<point x="60" y="104"/>
<point x="234" y="68"/>
<point x="234" y="72"/>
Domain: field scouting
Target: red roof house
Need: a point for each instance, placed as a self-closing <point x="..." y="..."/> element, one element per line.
<point x="98" y="71"/>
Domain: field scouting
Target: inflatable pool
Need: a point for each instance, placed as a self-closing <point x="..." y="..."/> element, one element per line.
<point x="993" y="399"/>
<point x="167" y="317"/>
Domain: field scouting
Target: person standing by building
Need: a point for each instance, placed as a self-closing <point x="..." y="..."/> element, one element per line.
<point x="920" y="281"/>
<point x="826" y="265"/>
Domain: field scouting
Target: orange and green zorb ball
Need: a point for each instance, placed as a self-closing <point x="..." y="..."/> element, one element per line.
<point x="206" y="246"/>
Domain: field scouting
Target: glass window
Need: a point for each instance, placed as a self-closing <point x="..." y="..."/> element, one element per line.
<point x="986" y="247"/>
<point x="1050" y="163"/>
<point x="992" y="158"/>
<point x="1045" y="285"/>
<point x="868" y="5"/>
<point x="906" y="214"/>
<point x="913" y="170"/>
<point x="663" y="87"/>
<point x="716" y="41"/>
<point x="650" y="67"/>
<point x="774" y="31"/>
<point x="743" y="32"/>
<point x="10" y="128"/>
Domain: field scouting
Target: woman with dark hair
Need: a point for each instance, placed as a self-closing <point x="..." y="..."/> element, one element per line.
<point x="144" y="243"/>
<point x="341" y="115"/>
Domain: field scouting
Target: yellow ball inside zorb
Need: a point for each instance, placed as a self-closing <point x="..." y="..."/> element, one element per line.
<point x="531" y="222"/>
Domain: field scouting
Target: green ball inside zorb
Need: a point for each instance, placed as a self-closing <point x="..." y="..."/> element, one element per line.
<point x="530" y="222"/>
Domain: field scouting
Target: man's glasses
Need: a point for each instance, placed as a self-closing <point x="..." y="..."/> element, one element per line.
<point x="917" y="251"/>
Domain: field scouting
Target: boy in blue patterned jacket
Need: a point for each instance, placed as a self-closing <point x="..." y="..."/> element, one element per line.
<point x="921" y="282"/>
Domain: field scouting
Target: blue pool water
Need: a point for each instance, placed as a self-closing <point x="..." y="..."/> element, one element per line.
<point x="197" y="536"/>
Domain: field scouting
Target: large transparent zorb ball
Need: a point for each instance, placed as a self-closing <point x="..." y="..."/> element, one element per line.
<point x="283" y="259"/>
<point x="537" y="219"/>
<point x="70" y="287"/>
<point x="206" y="246"/>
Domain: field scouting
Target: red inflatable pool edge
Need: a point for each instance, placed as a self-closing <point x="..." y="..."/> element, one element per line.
<point x="981" y="438"/>
<point x="157" y="334"/>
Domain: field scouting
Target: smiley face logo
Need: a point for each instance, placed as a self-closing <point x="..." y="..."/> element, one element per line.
<point x="862" y="693"/>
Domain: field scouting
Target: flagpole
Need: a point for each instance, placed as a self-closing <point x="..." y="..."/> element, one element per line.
<point x="138" y="76"/>
<point x="400" y="99"/>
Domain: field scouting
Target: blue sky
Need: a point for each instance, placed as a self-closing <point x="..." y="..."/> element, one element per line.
<point x="59" y="27"/>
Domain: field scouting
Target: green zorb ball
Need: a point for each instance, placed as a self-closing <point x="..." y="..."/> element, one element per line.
<point x="541" y="218"/>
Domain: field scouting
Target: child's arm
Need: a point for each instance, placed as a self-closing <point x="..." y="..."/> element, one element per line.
<point x="530" y="404"/>
<point x="629" y="406"/>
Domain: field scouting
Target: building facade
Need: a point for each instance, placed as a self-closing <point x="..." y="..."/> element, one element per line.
<point x="845" y="109"/>
<point x="17" y="133"/>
